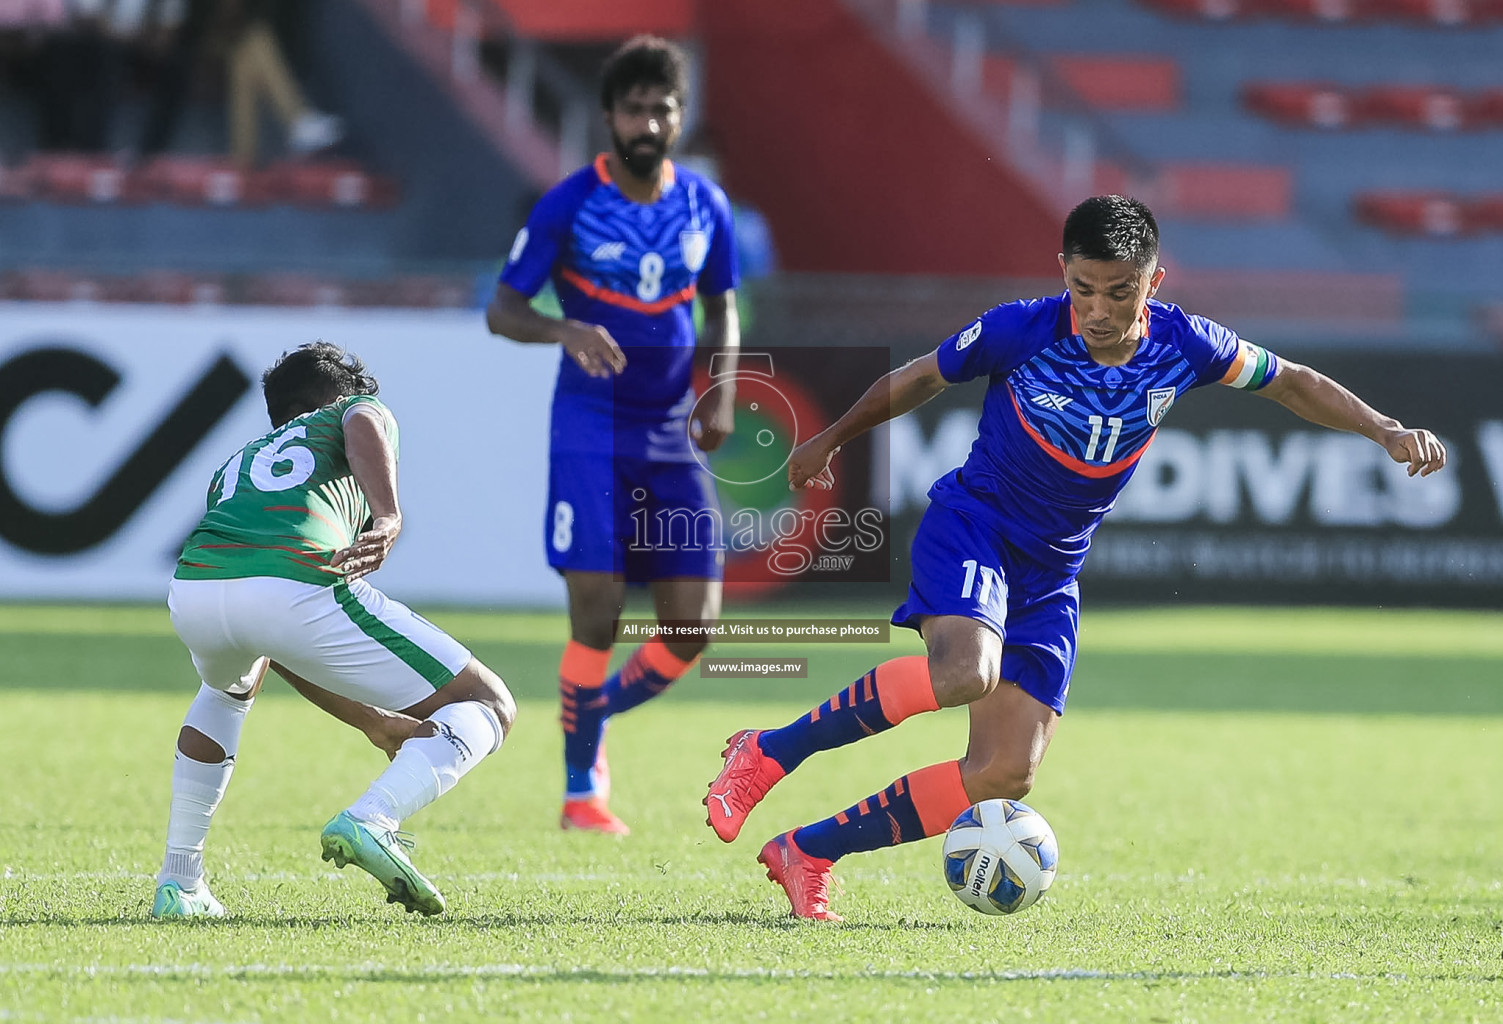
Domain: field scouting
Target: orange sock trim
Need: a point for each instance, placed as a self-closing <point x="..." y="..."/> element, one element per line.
<point x="656" y="656"/>
<point x="938" y="796"/>
<point x="904" y="689"/>
<point x="583" y="666"/>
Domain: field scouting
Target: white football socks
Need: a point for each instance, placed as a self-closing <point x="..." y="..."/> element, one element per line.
<point x="197" y="787"/>
<point x="427" y="767"/>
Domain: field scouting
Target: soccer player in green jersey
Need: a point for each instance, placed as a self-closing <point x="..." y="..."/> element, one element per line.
<point x="273" y="573"/>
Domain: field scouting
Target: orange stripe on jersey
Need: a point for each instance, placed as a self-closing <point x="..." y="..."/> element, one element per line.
<point x="603" y="171"/>
<point x="1071" y="462"/>
<point x="614" y="298"/>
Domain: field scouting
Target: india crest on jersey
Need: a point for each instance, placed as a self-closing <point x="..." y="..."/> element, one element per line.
<point x="695" y="246"/>
<point x="1159" y="401"/>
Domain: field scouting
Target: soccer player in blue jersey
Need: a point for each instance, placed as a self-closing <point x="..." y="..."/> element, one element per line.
<point x="1077" y="385"/>
<point x="628" y="242"/>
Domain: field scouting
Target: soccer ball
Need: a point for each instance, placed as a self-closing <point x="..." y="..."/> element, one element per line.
<point x="1000" y="856"/>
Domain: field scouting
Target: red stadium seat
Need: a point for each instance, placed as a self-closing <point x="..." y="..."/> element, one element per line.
<point x="1414" y="106"/>
<point x="1485" y="213"/>
<point x="199" y="181"/>
<point x="1485" y="109"/>
<point x="1213" y="10"/>
<point x="175" y="288"/>
<point x="1443" y="13"/>
<point x="37" y="285"/>
<point x="1427" y="107"/>
<point x="1122" y="83"/>
<point x="195" y="181"/>
<point x="1436" y="12"/>
<point x="332" y="183"/>
<point x="1309" y="104"/>
<point x="292" y="289"/>
<point x="1325" y="10"/>
<point x="75" y="177"/>
<point x="1413" y="213"/>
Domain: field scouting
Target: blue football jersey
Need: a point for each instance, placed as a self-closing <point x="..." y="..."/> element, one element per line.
<point x="1060" y="434"/>
<point x="634" y="269"/>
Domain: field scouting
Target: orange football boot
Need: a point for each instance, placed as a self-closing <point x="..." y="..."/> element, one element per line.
<point x="590" y="814"/>
<point x="743" y="781"/>
<point x="805" y="879"/>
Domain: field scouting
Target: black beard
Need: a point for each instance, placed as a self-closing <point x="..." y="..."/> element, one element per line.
<point x="641" y="165"/>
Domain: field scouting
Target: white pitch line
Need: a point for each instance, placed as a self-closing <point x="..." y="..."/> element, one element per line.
<point x="443" y="971"/>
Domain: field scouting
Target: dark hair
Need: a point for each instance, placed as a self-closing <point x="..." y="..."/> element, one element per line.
<point x="310" y="377"/>
<point x="1112" y="228"/>
<point x="646" y="61"/>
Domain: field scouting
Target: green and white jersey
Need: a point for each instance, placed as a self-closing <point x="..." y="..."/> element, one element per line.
<point x="284" y="503"/>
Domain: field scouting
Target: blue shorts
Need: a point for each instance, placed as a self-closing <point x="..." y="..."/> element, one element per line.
<point x="961" y="566"/>
<point x="640" y="519"/>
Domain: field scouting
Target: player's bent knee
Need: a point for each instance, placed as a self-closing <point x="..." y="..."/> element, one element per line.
<point x="491" y="691"/>
<point x="960" y="683"/>
<point x="475" y="683"/>
<point x="998" y="779"/>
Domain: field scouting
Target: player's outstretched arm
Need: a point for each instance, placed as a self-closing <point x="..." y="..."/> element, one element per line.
<point x="387" y="730"/>
<point x="373" y="462"/>
<point x="899" y="392"/>
<point x="510" y="314"/>
<point x="1313" y="396"/>
<point x="715" y="418"/>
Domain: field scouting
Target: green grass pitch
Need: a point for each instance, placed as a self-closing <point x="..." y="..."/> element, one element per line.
<point x="1262" y="815"/>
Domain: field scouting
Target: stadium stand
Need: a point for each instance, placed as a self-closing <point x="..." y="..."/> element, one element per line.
<point x="1291" y="148"/>
<point x="1367" y="133"/>
<point x="196" y="181"/>
<point x="376" y="205"/>
<point x="1417" y="107"/>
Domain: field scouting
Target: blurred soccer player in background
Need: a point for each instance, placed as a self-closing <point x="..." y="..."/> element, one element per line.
<point x="628" y="242"/>
<point x="1077" y="385"/>
<point x="274" y="572"/>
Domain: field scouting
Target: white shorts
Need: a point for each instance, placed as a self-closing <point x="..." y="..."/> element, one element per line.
<point x="350" y="639"/>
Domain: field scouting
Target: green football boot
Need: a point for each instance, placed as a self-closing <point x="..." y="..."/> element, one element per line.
<point x="173" y="902"/>
<point x="383" y="856"/>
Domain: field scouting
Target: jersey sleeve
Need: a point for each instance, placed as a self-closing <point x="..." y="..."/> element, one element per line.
<point x="722" y="270"/>
<point x="388" y="421"/>
<point x="994" y="343"/>
<point x="537" y="246"/>
<point x="1220" y="357"/>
